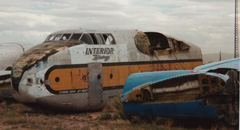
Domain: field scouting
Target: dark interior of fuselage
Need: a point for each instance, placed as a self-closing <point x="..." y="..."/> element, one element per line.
<point x="157" y="41"/>
<point x="150" y="42"/>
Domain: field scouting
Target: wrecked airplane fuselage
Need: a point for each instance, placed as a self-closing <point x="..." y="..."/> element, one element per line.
<point x="208" y="91"/>
<point x="81" y="70"/>
<point x="9" y="52"/>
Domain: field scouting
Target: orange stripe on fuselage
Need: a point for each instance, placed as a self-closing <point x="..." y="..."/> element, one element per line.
<point x="73" y="78"/>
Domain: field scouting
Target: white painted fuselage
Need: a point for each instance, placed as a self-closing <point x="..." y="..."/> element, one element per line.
<point x="57" y="73"/>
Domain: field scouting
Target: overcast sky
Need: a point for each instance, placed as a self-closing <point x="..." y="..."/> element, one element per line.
<point x="208" y="24"/>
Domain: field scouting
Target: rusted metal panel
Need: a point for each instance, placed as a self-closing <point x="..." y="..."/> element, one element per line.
<point x="142" y="43"/>
<point x="95" y="84"/>
<point x="210" y="93"/>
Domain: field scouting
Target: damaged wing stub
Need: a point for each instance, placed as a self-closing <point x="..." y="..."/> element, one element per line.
<point x="210" y="93"/>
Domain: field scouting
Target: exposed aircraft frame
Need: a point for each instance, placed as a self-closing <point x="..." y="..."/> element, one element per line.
<point x="208" y="91"/>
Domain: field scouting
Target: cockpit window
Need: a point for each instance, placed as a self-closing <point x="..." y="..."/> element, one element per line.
<point x="87" y="39"/>
<point x="50" y="38"/>
<point x="182" y="46"/>
<point x="99" y="38"/>
<point x="76" y="36"/>
<point x="57" y="38"/>
<point x="108" y="39"/>
<point x="65" y="37"/>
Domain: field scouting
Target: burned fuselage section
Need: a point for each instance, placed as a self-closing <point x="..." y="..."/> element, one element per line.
<point x="188" y="93"/>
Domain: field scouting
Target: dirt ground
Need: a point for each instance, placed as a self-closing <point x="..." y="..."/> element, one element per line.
<point x="14" y="115"/>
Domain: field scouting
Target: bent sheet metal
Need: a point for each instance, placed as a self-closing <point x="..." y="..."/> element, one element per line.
<point x="208" y="91"/>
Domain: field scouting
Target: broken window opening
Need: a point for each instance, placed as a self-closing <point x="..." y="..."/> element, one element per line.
<point x="87" y="39"/>
<point x="93" y="38"/>
<point x="182" y="46"/>
<point x="57" y="38"/>
<point x="65" y="37"/>
<point x="76" y="36"/>
<point x="50" y="38"/>
<point x="108" y="39"/>
<point x="158" y="41"/>
<point x="100" y="39"/>
<point x="105" y="36"/>
<point x="97" y="38"/>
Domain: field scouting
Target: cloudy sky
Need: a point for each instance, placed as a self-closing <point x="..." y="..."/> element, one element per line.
<point x="206" y="23"/>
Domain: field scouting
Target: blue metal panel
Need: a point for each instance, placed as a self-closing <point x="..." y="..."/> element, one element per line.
<point x="137" y="79"/>
<point x="194" y="109"/>
<point x="230" y="64"/>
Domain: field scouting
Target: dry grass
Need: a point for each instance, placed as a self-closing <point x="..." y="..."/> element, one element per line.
<point x="119" y="107"/>
<point x="105" y="116"/>
<point x="17" y="116"/>
<point x="219" y="127"/>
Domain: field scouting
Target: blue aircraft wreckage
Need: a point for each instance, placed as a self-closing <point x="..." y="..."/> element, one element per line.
<point x="208" y="91"/>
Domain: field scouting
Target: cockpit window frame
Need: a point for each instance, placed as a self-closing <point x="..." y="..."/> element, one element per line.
<point x="57" y="36"/>
<point x="95" y="38"/>
<point x="67" y="39"/>
<point x="50" y="36"/>
<point x="89" y="38"/>
<point x="99" y="38"/>
<point x="76" y="34"/>
<point x="108" y="41"/>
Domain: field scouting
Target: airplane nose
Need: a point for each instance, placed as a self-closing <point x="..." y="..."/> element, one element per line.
<point x="34" y="55"/>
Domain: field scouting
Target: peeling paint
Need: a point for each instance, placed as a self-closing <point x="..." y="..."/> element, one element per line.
<point x="38" y="53"/>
